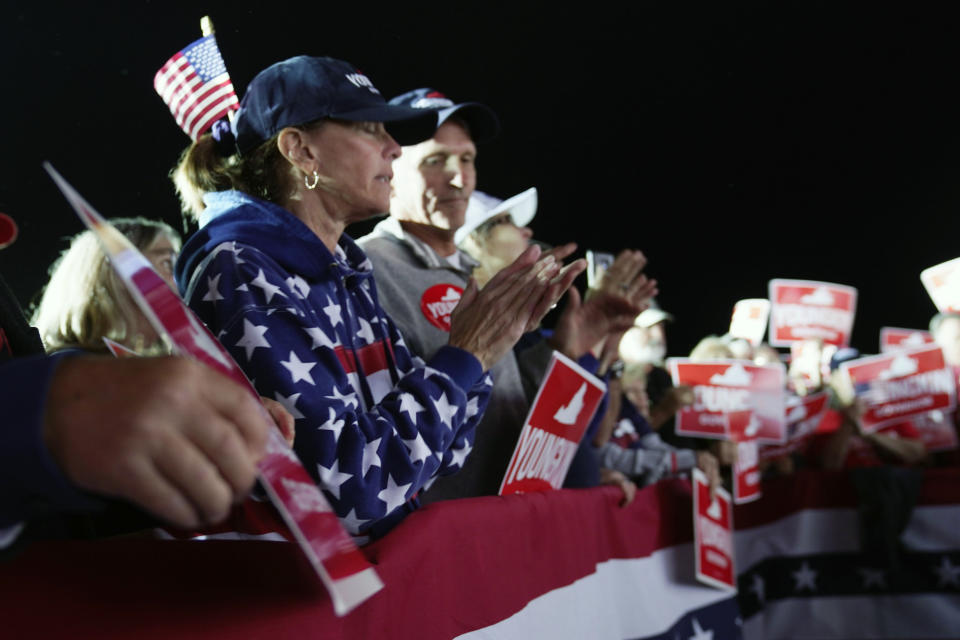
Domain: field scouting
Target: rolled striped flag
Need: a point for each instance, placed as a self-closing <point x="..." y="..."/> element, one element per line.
<point x="195" y="84"/>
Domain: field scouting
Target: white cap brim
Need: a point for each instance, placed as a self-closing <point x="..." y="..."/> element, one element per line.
<point x="650" y="317"/>
<point x="522" y="208"/>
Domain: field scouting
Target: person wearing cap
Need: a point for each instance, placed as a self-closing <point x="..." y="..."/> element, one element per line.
<point x="646" y="341"/>
<point x="293" y="298"/>
<point x="495" y="230"/>
<point x="422" y="272"/>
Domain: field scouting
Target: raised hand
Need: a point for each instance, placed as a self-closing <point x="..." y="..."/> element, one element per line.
<point x="611" y="308"/>
<point x="488" y="322"/>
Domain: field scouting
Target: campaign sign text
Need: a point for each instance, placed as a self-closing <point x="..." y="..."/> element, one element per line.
<point x="713" y="534"/>
<point x="728" y="392"/>
<point x="746" y="472"/>
<point x="893" y="338"/>
<point x="561" y="412"/>
<point x="901" y="384"/>
<point x="805" y="310"/>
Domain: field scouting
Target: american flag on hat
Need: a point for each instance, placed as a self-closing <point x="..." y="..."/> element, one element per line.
<point x="195" y="84"/>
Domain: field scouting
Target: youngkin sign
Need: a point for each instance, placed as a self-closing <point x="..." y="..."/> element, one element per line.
<point x="731" y="396"/>
<point x="893" y="338"/>
<point x="713" y="534"/>
<point x="561" y="412"/>
<point x="901" y="385"/>
<point x="805" y="309"/>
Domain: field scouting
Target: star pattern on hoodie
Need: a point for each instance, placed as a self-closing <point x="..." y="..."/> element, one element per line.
<point x="394" y="423"/>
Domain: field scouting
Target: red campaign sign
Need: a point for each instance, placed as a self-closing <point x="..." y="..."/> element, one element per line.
<point x="804" y="414"/>
<point x="742" y="427"/>
<point x="347" y="574"/>
<point x="937" y="430"/>
<point x="713" y="534"/>
<point x="942" y="283"/>
<point x="892" y="338"/>
<point x="901" y="385"/>
<point x="732" y="397"/>
<point x="749" y="320"/>
<point x="746" y="472"/>
<point x="118" y="350"/>
<point x="805" y="309"/>
<point x="438" y="302"/>
<point x="561" y="413"/>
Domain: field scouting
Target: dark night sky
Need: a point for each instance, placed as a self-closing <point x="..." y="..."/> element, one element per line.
<point x="731" y="142"/>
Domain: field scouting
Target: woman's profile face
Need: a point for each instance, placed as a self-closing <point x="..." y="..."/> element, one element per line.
<point x="162" y="254"/>
<point x="355" y="167"/>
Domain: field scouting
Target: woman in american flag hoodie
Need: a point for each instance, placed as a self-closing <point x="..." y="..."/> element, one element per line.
<point x="293" y="298"/>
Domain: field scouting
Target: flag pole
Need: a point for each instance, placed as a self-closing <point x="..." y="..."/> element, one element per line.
<point x="206" y="28"/>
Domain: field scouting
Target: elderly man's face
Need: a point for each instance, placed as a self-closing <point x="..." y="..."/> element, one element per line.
<point x="433" y="180"/>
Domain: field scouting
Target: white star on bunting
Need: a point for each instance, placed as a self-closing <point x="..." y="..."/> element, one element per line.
<point x="289" y="403"/>
<point x="446" y="410"/>
<point x="213" y="289"/>
<point x="299" y="370"/>
<point x="872" y="577"/>
<point x="410" y="405"/>
<point x="947" y="573"/>
<point x="269" y="290"/>
<point x="332" y="479"/>
<point x="759" y="588"/>
<point x="394" y="495"/>
<point x="333" y="425"/>
<point x="699" y="633"/>
<point x="805" y="578"/>
<point x="252" y="338"/>
<point x="370" y="456"/>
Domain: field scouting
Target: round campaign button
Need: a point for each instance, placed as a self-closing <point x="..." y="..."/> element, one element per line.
<point x="438" y="302"/>
<point x="8" y="231"/>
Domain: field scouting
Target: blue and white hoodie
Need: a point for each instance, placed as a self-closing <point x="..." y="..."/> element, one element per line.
<point x="374" y="424"/>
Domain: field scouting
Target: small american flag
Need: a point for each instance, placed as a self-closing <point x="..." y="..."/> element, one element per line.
<point x="196" y="86"/>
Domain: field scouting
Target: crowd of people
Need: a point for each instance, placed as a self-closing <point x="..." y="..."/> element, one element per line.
<point x="401" y="366"/>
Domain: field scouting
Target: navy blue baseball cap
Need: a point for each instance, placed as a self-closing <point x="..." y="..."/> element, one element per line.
<point x="304" y="89"/>
<point x="483" y="122"/>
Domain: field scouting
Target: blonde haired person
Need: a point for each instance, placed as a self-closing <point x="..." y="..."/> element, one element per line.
<point x="85" y="301"/>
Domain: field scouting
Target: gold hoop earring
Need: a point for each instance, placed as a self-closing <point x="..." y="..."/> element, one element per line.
<point x="313" y="185"/>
